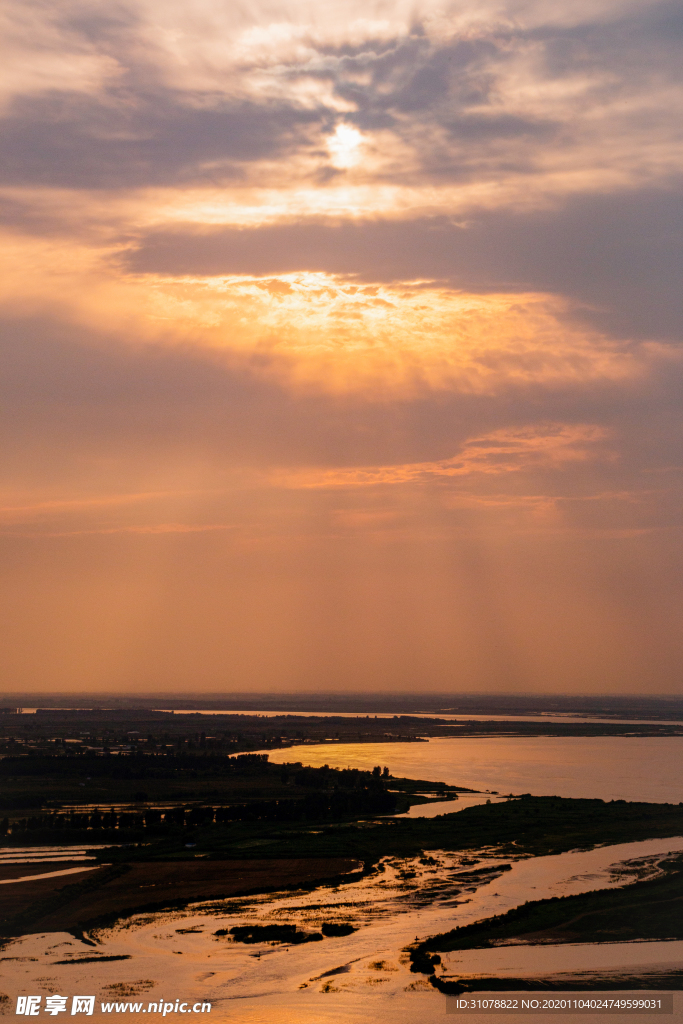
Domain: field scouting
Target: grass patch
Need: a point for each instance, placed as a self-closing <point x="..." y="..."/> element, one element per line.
<point x="529" y="825"/>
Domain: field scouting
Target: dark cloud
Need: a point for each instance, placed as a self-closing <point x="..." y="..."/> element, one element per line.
<point x="417" y="84"/>
<point x="630" y="44"/>
<point x="411" y="76"/>
<point x="445" y="99"/>
<point x="141" y="132"/>
<point x="619" y="254"/>
<point x="17" y="213"/>
<point x="75" y="141"/>
<point x="135" y="129"/>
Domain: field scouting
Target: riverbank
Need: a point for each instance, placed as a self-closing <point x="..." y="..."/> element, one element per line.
<point x="649" y="909"/>
<point x="361" y="971"/>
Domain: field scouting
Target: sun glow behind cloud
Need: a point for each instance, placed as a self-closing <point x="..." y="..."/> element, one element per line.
<point x="336" y="335"/>
<point x="345" y="146"/>
<point x="356" y="327"/>
<point x="322" y="331"/>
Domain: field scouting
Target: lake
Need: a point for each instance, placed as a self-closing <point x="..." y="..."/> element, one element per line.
<point x="603" y="767"/>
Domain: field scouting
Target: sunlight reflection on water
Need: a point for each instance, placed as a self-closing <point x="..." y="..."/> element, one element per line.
<point x="180" y="955"/>
<point x="603" y="767"/>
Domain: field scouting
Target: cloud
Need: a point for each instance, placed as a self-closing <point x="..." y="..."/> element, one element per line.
<point x="150" y="529"/>
<point x="341" y="341"/>
<point x="313" y="331"/>
<point x="90" y="423"/>
<point x="503" y="451"/>
<point x="150" y="97"/>
<point x="40" y="53"/>
<point x="617" y="255"/>
<point x="164" y="549"/>
<point x="68" y="140"/>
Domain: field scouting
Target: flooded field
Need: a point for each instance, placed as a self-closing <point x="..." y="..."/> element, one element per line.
<point x="464" y="800"/>
<point x="12" y="874"/>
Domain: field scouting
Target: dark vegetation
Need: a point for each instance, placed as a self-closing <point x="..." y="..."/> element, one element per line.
<point x="140" y="775"/>
<point x="100" y="898"/>
<point x="602" y="706"/>
<point x="286" y="933"/>
<point x="657" y="980"/>
<point x="160" y="791"/>
<point x="94" y="959"/>
<point x="168" y="872"/>
<point x="130" y="775"/>
<point x="157" y="734"/>
<point x="531" y="825"/>
<point x="333" y="930"/>
<point x="650" y="909"/>
<point x="248" y="787"/>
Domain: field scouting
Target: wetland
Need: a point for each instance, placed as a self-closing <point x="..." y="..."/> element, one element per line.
<point x="274" y="881"/>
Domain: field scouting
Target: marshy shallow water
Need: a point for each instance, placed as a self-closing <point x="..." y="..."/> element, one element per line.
<point x="350" y="979"/>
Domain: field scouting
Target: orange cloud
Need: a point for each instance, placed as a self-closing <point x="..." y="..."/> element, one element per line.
<point x="66" y="505"/>
<point x="318" y="331"/>
<point x="501" y="452"/>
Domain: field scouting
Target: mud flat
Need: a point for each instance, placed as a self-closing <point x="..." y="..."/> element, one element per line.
<point x="107" y="893"/>
<point x="11" y="873"/>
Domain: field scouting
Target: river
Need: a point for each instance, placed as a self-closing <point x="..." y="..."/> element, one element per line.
<point x="364" y="978"/>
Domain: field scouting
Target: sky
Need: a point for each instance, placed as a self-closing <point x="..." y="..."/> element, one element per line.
<point x="341" y="345"/>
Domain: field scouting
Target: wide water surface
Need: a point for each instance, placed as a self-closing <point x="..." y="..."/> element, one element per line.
<point x="603" y="767"/>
